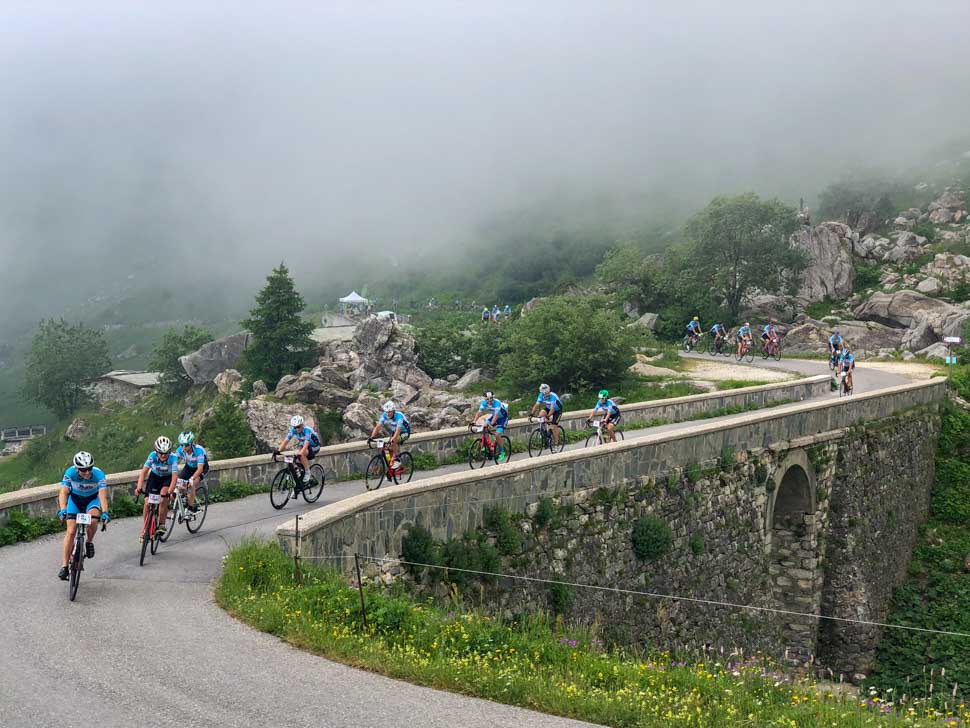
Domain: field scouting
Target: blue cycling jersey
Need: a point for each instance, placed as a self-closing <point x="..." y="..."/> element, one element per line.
<point x="846" y="360"/>
<point x="302" y="437"/>
<point x="835" y="339"/>
<point x="193" y="457"/>
<point x="550" y="399"/>
<point x="768" y="329"/>
<point x="607" y="406"/>
<point x="496" y="408"/>
<point x="83" y="487"/>
<point x="718" y="329"/>
<point x="162" y="467"/>
<point x="392" y="423"/>
<point x="694" y="326"/>
<point x="743" y="331"/>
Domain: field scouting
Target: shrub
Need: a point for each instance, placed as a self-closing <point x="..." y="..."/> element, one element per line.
<point x="226" y="433"/>
<point x="696" y="545"/>
<point x="21" y="527"/>
<point x="867" y="276"/>
<point x="545" y="514"/>
<point x="651" y="538"/>
<point x="508" y="538"/>
<point x="418" y="547"/>
<point x="561" y="598"/>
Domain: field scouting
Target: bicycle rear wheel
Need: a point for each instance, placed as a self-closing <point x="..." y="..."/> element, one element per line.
<point x="403" y="473"/>
<point x="506" y="445"/>
<point x="536" y="443"/>
<point x="194" y="520"/>
<point x="374" y="475"/>
<point x="312" y="492"/>
<point x="171" y="520"/>
<point x="157" y="538"/>
<point x="477" y="454"/>
<point x="687" y="346"/>
<point x="281" y="488"/>
<point x="77" y="560"/>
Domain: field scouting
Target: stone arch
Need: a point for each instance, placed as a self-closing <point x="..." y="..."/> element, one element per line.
<point x="792" y="540"/>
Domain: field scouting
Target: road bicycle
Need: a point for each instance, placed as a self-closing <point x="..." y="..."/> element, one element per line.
<point x="379" y="468"/>
<point x="601" y="436"/>
<point x="691" y="341"/>
<point x="771" y="348"/>
<point x="745" y="353"/>
<point x="844" y="389"/>
<point x="833" y="360"/>
<point x="716" y="347"/>
<point x="484" y="448"/>
<point x="178" y="508"/>
<point x="541" y="438"/>
<point x="150" y="535"/>
<point x="76" y="564"/>
<point x="289" y="482"/>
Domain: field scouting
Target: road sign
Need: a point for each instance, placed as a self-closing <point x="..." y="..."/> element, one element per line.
<point x="951" y="360"/>
<point x="952" y="340"/>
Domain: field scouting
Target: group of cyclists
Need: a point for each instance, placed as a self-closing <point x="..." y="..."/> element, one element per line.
<point x="743" y="337"/>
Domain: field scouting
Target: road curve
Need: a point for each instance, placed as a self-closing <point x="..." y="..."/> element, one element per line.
<point x="103" y="659"/>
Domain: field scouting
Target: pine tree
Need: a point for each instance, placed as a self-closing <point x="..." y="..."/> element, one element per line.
<point x="281" y="341"/>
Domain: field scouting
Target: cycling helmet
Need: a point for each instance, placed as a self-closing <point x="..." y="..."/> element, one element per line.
<point x="186" y="438"/>
<point x="296" y="420"/>
<point x="163" y="445"/>
<point x="747" y="324"/>
<point x="83" y="460"/>
<point x="604" y="394"/>
<point x="487" y="394"/>
<point x="696" y="319"/>
<point x="544" y="389"/>
<point x="388" y="406"/>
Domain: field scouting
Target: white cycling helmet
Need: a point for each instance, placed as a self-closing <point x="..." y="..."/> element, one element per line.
<point x="388" y="406"/>
<point x="296" y="420"/>
<point x="544" y="389"/>
<point x="163" y="445"/>
<point x="186" y="438"/>
<point x="83" y="459"/>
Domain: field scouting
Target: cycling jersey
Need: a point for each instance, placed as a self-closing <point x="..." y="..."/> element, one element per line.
<point x="694" y="327"/>
<point x="161" y="467"/>
<point x="718" y="329"/>
<point x="846" y="361"/>
<point x="769" y="329"/>
<point x="497" y="407"/>
<point x="609" y="406"/>
<point x="194" y="457"/>
<point x="743" y="331"/>
<point x="308" y="435"/>
<point x="392" y="423"/>
<point x="84" y="487"/>
<point x="835" y="340"/>
<point x="550" y="400"/>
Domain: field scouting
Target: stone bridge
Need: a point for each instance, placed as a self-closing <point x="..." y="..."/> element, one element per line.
<point x="778" y="518"/>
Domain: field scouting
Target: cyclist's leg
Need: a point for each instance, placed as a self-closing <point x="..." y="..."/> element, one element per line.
<point x="555" y="426"/>
<point x="153" y="486"/>
<point x="72" y="510"/>
<point x="499" y="443"/>
<point x="610" y="429"/>
<point x="395" y="445"/>
<point x="94" y="510"/>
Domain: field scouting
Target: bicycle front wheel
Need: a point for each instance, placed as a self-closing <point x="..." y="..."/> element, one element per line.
<point x="536" y="443"/>
<point x="374" y="475"/>
<point x="749" y="355"/>
<point x="312" y="492"/>
<point x="157" y="538"/>
<point x="555" y="447"/>
<point x="477" y="454"/>
<point x="194" y="520"/>
<point x="777" y="353"/>
<point x="506" y="446"/>
<point x="593" y="439"/>
<point x="145" y="540"/>
<point x="281" y="488"/>
<point x="403" y="473"/>
<point x="714" y="349"/>
<point x="77" y="559"/>
<point x="702" y="346"/>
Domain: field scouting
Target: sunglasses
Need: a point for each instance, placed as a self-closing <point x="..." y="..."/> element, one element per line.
<point x="84" y="470"/>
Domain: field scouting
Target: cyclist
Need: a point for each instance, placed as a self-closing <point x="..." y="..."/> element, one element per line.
<point x="835" y="346"/>
<point x="769" y="334"/>
<point x="397" y="426"/>
<point x="196" y="466"/>
<point x="307" y="440"/>
<point x="83" y="490"/>
<point x="743" y="337"/>
<point x="497" y="418"/>
<point x="847" y="364"/>
<point x="611" y="413"/>
<point x="507" y="312"/>
<point x="693" y="331"/>
<point x="484" y="314"/>
<point x="549" y="405"/>
<point x="495" y="313"/>
<point x="718" y="333"/>
<point x="161" y="471"/>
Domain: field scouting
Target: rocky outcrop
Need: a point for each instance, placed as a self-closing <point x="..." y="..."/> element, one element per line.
<point x="809" y="336"/>
<point x="647" y="321"/>
<point x="830" y="273"/>
<point x="359" y="420"/>
<point x="77" y="430"/>
<point x="903" y="309"/>
<point x="259" y="388"/>
<point x="213" y="358"/>
<point x="905" y="247"/>
<point x="930" y="286"/>
<point x="469" y="378"/>
<point x="228" y="382"/>
<point x="270" y="421"/>
<point x="310" y="388"/>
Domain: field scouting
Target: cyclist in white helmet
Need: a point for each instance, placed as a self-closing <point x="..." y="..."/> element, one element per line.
<point x="83" y="490"/>
<point x="196" y="464"/>
<point x="549" y="405"/>
<point x="161" y="469"/>
<point x="396" y="425"/>
<point x="307" y="441"/>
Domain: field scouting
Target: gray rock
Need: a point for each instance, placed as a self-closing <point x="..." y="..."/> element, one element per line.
<point x="470" y="378"/>
<point x="228" y="382"/>
<point x="647" y="321"/>
<point x="902" y="309"/>
<point x="372" y="334"/>
<point x="830" y="273"/>
<point x="259" y="388"/>
<point x="32" y="483"/>
<point x="269" y="421"/>
<point x="77" y="430"/>
<point x="811" y="337"/>
<point x="403" y="393"/>
<point x="440" y="383"/>
<point x="919" y="335"/>
<point x="452" y="378"/>
<point x="359" y="420"/>
<point x="203" y="365"/>
<point x="950" y="200"/>
<point x="938" y="350"/>
<point x="941" y="216"/>
<point x="308" y="388"/>
<point x="930" y="286"/>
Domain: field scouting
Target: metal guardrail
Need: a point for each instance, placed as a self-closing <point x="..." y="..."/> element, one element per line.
<point x="19" y="434"/>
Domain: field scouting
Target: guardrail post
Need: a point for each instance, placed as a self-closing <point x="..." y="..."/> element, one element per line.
<point x="360" y="588"/>
<point x="298" y="573"/>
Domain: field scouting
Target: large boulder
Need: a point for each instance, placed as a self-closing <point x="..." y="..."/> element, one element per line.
<point x="930" y="286"/>
<point x="358" y="420"/>
<point x="311" y="389"/>
<point x="830" y="273"/>
<point x="901" y="309"/>
<point x="950" y="200"/>
<point x="228" y="382"/>
<point x="908" y="247"/>
<point x="873" y="247"/>
<point x="213" y="358"/>
<point x="269" y="421"/>
<point x="77" y="430"/>
<point x="372" y="334"/>
<point x="468" y="379"/>
<point x="647" y="321"/>
<point x="809" y="336"/>
<point x="938" y="350"/>
<point x="919" y="335"/>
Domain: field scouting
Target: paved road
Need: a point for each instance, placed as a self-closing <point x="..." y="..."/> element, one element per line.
<point x="97" y="661"/>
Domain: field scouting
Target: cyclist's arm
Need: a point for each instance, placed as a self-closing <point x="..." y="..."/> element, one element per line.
<point x="376" y="429"/>
<point x="283" y="443"/>
<point x="141" y="479"/>
<point x="62" y="496"/>
<point x="171" y="482"/>
<point x="197" y="475"/>
<point x="103" y="498"/>
<point x="397" y="433"/>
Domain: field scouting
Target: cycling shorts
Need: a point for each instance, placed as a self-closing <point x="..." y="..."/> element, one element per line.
<point x="501" y="423"/>
<point x="81" y="504"/>
<point x="554" y="416"/>
<point x="405" y="434"/>
<point x="155" y="483"/>
<point x="188" y="472"/>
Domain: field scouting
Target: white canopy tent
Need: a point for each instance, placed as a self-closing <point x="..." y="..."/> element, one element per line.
<point x="353" y="301"/>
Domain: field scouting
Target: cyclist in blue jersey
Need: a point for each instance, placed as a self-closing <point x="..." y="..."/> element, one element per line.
<point x="743" y="336"/>
<point x="718" y="333"/>
<point x="83" y="490"/>
<point x="846" y="364"/>
<point x="496" y="416"/>
<point x="396" y="425"/>
<point x="693" y="331"/>
<point x="158" y="475"/>
<point x="611" y="413"/>
<point x="835" y="348"/>
<point x="306" y="440"/>
<point x="769" y="334"/>
<point x="549" y="405"/>
<point x="196" y="465"/>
